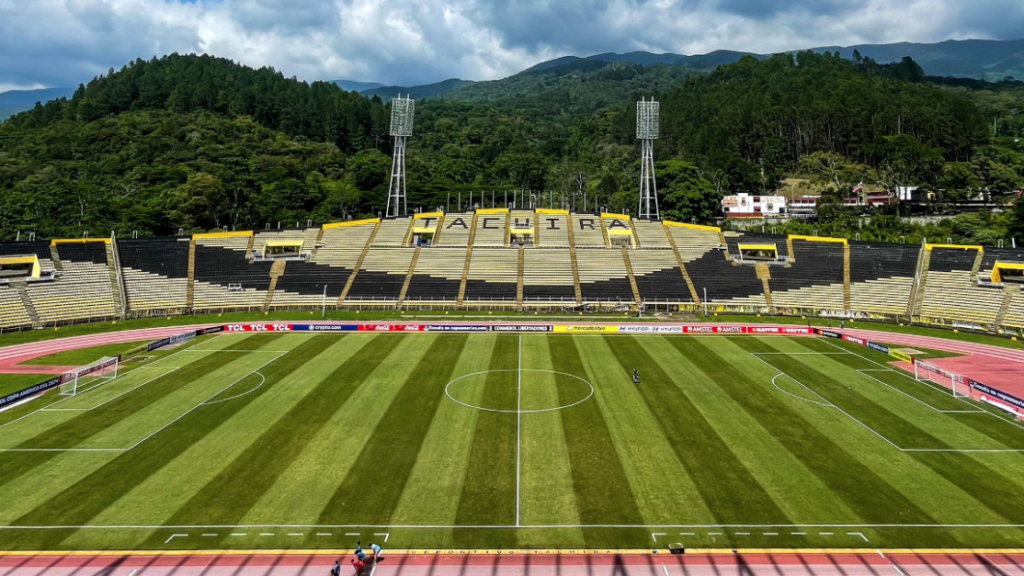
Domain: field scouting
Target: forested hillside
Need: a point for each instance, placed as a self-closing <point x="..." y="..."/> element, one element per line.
<point x="195" y="142"/>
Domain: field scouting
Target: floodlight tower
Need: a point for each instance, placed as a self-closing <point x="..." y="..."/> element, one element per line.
<point x="402" y="111"/>
<point x="647" y="133"/>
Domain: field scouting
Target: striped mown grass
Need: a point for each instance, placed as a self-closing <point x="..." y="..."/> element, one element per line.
<point x="498" y="440"/>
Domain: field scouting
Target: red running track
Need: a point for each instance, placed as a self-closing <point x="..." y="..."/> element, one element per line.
<point x="999" y="367"/>
<point x="10" y="356"/>
<point x="755" y="563"/>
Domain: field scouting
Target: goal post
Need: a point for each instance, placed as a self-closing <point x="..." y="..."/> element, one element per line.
<point x="85" y="377"/>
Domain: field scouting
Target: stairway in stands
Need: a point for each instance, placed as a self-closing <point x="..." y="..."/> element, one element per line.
<point x="276" y="271"/>
<point x="846" y="277"/>
<point x="764" y="274"/>
<point x="682" y="268"/>
<point x="917" y="293"/>
<point x="575" y="264"/>
<point x="632" y="279"/>
<point x="30" y="308"/>
<point x="358" y="265"/>
<point x="408" y="277"/>
<point x="190" y="290"/>
<point x="1010" y="290"/>
<point x="114" y="267"/>
<point x="519" y="279"/>
<point x="57" y="264"/>
<point x="469" y="258"/>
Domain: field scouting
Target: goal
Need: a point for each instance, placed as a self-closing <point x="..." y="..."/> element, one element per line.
<point x="86" y="377"/>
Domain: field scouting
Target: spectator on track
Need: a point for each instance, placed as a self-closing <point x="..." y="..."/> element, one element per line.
<point x="359" y="551"/>
<point x="336" y="571"/>
<point x="376" y="553"/>
<point x="358" y="565"/>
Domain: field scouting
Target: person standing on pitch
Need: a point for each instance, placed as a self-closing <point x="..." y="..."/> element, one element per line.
<point x="359" y="551"/>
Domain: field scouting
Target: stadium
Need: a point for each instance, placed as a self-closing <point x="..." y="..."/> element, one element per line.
<point x="578" y="391"/>
<point x="524" y="406"/>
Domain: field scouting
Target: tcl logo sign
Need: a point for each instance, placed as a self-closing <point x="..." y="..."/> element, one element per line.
<point x="259" y="327"/>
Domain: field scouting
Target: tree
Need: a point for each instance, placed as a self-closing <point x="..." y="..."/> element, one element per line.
<point x="959" y="181"/>
<point x="904" y="161"/>
<point x="686" y="195"/>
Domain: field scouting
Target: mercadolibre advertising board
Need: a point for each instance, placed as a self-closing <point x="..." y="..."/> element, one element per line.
<point x="585" y="329"/>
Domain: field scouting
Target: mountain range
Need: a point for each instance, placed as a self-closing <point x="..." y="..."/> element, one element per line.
<point x="983" y="59"/>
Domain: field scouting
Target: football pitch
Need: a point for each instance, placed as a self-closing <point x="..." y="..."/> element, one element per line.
<point x="510" y="441"/>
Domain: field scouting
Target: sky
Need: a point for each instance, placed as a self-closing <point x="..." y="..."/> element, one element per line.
<point x="49" y="43"/>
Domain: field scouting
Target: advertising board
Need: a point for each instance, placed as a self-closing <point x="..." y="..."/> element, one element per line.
<point x="31" y="390"/>
<point x="586" y="329"/>
<point x="521" y="328"/>
<point x="647" y="329"/>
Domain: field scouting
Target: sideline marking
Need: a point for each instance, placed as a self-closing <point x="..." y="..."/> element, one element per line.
<point x="654" y="535"/>
<point x="519" y="425"/>
<point x="500" y="526"/>
<point x="386" y="535"/>
<point x="173" y="536"/>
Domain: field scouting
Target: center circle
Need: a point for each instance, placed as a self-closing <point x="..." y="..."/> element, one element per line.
<point x="523" y="391"/>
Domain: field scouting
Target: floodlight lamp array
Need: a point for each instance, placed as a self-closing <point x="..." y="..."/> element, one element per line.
<point x="402" y="113"/>
<point x="647" y="120"/>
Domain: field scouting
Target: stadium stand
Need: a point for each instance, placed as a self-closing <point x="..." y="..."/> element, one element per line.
<point x="951" y="294"/>
<point x="155" y="272"/>
<point x="724" y="281"/>
<point x="82" y="291"/>
<point x="814" y="281"/>
<point x="393" y="232"/>
<point x="603" y="276"/>
<point x="491" y="228"/>
<point x="619" y="230"/>
<point x="658" y="277"/>
<point x="307" y="236"/>
<point x="371" y="263"/>
<point x="651" y="234"/>
<point x="547" y="276"/>
<point x="493" y="274"/>
<point x="382" y="275"/>
<point x="553" y="228"/>
<point x="306" y="283"/>
<point x="455" y="230"/>
<point x="13" y="313"/>
<point x="1015" y="313"/>
<point x="225" y="278"/>
<point x="437" y="276"/>
<point x="343" y="244"/>
<point x="882" y="278"/>
<point x="693" y="242"/>
<point x="587" y="231"/>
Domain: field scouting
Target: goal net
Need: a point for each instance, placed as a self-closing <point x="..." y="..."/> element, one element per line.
<point x="81" y="379"/>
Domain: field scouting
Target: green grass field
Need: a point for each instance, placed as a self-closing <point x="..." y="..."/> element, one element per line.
<point x="484" y="441"/>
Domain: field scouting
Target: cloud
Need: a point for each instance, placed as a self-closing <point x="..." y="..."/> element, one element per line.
<point x="65" y="42"/>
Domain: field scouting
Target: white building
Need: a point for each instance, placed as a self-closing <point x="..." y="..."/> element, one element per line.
<point x="748" y="206"/>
